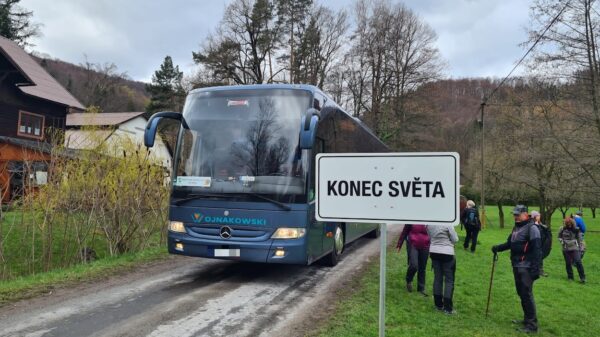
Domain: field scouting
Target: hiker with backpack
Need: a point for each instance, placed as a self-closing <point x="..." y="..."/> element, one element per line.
<point x="417" y="249"/>
<point x="571" y="239"/>
<point x="546" y="239"/>
<point x="524" y="243"/>
<point x="470" y="219"/>
<point x="441" y="251"/>
<point x="582" y="228"/>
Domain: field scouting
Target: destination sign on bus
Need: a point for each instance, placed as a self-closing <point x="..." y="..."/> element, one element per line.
<point x="388" y="187"/>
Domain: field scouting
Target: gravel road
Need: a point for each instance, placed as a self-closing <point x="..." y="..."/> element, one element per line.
<point x="193" y="297"/>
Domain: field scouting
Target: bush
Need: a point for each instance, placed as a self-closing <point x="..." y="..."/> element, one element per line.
<point x="100" y="202"/>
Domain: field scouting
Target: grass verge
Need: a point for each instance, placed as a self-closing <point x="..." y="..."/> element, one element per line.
<point x="41" y="283"/>
<point x="564" y="308"/>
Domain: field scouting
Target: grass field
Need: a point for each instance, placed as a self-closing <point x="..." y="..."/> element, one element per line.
<point x="22" y="238"/>
<point x="33" y="285"/>
<point x="25" y="276"/>
<point x="564" y="308"/>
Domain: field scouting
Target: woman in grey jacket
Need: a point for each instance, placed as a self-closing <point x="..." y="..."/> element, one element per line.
<point x="441" y="251"/>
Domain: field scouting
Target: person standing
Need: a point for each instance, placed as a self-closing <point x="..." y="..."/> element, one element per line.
<point x="546" y="239"/>
<point x="579" y="222"/>
<point x="417" y="249"/>
<point x="570" y="238"/>
<point x="525" y="254"/>
<point x="472" y="223"/>
<point x="441" y="251"/>
<point x="582" y="228"/>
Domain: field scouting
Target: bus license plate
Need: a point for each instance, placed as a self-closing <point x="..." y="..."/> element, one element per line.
<point x="227" y="253"/>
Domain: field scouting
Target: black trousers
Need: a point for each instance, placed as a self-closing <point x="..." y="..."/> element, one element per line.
<point x="524" y="285"/>
<point x="574" y="258"/>
<point x="444" y="269"/>
<point x="471" y="238"/>
<point x="417" y="264"/>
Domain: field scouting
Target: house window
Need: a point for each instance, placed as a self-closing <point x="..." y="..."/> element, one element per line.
<point x="31" y="125"/>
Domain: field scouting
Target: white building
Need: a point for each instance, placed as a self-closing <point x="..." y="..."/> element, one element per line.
<point x="90" y="130"/>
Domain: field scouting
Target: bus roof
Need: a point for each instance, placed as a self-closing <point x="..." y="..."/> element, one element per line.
<point x="306" y="87"/>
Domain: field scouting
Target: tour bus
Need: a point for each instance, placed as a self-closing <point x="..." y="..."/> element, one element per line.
<point x="243" y="185"/>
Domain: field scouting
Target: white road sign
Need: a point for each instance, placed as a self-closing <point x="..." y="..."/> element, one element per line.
<point x="388" y="187"/>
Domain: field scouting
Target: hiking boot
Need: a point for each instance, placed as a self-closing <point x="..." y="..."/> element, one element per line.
<point x="527" y="330"/>
<point x="422" y="292"/>
<point x="448" y="307"/>
<point x="582" y="281"/>
<point x="438" y="302"/>
<point x="409" y="287"/>
<point x="518" y="321"/>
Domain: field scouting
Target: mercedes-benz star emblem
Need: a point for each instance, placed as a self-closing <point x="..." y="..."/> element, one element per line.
<point x="225" y="232"/>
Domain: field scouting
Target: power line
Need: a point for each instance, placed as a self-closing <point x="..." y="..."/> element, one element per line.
<point x="539" y="38"/>
<point x="485" y="99"/>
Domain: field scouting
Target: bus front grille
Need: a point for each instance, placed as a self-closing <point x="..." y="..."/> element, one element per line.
<point x="238" y="233"/>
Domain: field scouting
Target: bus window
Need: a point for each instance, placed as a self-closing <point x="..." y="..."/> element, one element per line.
<point x="319" y="101"/>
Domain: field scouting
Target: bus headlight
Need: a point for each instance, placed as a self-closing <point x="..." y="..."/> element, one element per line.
<point x="288" y="233"/>
<point x="176" y="226"/>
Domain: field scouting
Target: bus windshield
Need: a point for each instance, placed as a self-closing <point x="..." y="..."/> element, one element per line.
<point x="243" y="143"/>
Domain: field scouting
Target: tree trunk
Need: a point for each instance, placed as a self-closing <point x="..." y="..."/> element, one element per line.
<point x="563" y="211"/>
<point x="500" y="214"/>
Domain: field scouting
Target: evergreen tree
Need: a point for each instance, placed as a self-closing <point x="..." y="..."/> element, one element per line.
<point x="15" y="22"/>
<point x="240" y="50"/>
<point x="293" y="16"/>
<point x="166" y="89"/>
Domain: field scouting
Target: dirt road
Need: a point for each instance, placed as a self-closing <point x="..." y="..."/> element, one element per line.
<point x="193" y="297"/>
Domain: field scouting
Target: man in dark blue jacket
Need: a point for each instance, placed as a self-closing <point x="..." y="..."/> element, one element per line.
<point x="526" y="255"/>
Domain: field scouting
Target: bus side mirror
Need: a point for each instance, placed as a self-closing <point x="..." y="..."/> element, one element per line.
<point x="308" y="128"/>
<point x="150" y="132"/>
<point x="152" y="125"/>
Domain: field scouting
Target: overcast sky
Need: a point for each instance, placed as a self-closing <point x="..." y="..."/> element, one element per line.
<point x="475" y="37"/>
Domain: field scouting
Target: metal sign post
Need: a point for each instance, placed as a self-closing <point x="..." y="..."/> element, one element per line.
<point x="382" y="270"/>
<point x="383" y="188"/>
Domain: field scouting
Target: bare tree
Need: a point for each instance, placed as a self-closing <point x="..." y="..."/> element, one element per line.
<point x="101" y="83"/>
<point x="239" y="50"/>
<point x="570" y="59"/>
<point x="392" y="54"/>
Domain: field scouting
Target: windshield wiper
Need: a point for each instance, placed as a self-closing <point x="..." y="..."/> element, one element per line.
<point x="275" y="202"/>
<point x="195" y="196"/>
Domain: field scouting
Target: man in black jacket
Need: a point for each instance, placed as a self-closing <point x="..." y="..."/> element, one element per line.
<point x="525" y="254"/>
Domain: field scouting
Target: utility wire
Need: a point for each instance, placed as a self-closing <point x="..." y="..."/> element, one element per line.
<point x="539" y="38"/>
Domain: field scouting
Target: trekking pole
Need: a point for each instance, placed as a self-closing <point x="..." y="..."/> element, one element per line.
<point x="487" y="307"/>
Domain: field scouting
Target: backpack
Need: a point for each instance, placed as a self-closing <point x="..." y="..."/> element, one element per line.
<point x="546" y="239"/>
<point x="471" y="218"/>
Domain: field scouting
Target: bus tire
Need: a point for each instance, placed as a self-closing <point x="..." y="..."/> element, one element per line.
<point x="333" y="258"/>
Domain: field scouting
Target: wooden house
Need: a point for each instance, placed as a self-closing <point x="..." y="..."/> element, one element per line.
<point x="32" y="104"/>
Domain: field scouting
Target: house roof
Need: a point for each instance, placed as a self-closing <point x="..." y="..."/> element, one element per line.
<point x="39" y="83"/>
<point x="100" y="119"/>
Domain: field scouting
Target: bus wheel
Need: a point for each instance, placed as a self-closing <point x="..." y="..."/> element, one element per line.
<point x="338" y="247"/>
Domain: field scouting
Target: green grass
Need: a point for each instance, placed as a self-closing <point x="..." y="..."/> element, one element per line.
<point x="29" y="286"/>
<point x="23" y="239"/>
<point x="564" y="308"/>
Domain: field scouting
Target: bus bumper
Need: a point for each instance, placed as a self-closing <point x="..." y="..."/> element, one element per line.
<point x="294" y="250"/>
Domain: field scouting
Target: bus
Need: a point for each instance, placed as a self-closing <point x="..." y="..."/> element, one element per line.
<point x="243" y="182"/>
